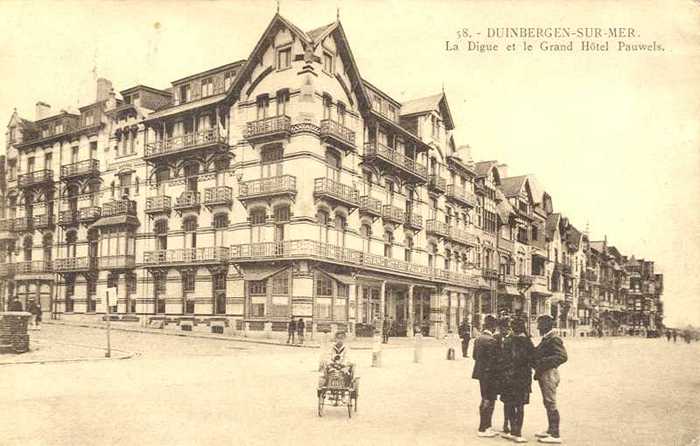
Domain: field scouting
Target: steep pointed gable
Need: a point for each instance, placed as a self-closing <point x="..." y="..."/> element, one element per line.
<point x="353" y="72"/>
<point x="436" y="102"/>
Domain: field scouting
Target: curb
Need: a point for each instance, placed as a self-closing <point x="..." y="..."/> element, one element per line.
<point x="124" y="355"/>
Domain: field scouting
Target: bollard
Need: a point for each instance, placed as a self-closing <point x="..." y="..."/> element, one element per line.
<point x="377" y="351"/>
<point x="418" y="348"/>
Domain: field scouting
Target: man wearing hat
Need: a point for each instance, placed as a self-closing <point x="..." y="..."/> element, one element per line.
<point x="337" y="358"/>
<point x="549" y="355"/>
<point x="485" y="362"/>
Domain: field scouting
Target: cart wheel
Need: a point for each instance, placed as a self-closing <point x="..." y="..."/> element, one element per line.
<point x="321" y="400"/>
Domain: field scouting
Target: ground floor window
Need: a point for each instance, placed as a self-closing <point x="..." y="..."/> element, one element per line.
<point x="220" y="303"/>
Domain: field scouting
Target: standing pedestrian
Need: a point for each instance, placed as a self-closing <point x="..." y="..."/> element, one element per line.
<point x="386" y="327"/>
<point x="518" y="351"/>
<point x="31" y="308"/>
<point x="465" y="335"/>
<point x="301" y="326"/>
<point x="291" y="329"/>
<point x="549" y="355"/>
<point x="38" y="315"/>
<point x="673" y="333"/>
<point x="502" y="334"/>
<point x="668" y="336"/>
<point x="15" y="305"/>
<point x="485" y="356"/>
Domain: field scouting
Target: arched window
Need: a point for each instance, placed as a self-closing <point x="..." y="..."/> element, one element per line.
<point x="448" y="259"/>
<point x="327" y="106"/>
<point x="258" y="217"/>
<point x="334" y="163"/>
<point x="221" y="221"/>
<point x="340" y="226"/>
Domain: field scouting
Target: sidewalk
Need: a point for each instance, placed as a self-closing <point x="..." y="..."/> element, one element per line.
<point x="134" y="327"/>
<point x="41" y="352"/>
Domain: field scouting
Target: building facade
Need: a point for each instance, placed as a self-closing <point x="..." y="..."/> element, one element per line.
<point x="282" y="185"/>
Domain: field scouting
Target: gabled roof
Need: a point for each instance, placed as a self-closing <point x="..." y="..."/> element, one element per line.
<point x="503" y="208"/>
<point x="317" y="34"/>
<point x="574" y="236"/>
<point x="146" y="88"/>
<point x="482" y="168"/>
<point x="598" y="246"/>
<point x="552" y="224"/>
<point x="436" y="102"/>
<point x="512" y="186"/>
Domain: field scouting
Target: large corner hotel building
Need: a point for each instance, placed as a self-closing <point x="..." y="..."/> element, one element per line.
<point x="287" y="184"/>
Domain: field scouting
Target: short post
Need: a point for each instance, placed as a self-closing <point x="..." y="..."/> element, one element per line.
<point x="377" y="350"/>
<point x="323" y="345"/>
<point x="108" y="354"/>
<point x="418" y="347"/>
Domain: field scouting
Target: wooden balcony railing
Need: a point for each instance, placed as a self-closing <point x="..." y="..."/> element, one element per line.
<point x="317" y="250"/>
<point x="218" y="195"/>
<point x="120" y="207"/>
<point x="284" y="184"/>
<point x="437" y="227"/>
<point x="116" y="262"/>
<point x="35" y="178"/>
<point x="69" y="264"/>
<point x="393" y="214"/>
<point x="182" y="143"/>
<point x="375" y="150"/>
<point x="337" y="132"/>
<point x="90" y="213"/>
<point x="413" y="220"/>
<point x="437" y="183"/>
<point x="212" y="254"/>
<point x="326" y="187"/>
<point x="461" y="195"/>
<point x="36" y="266"/>
<point x="67" y="218"/>
<point x="369" y="205"/>
<point x="268" y="128"/>
<point x="461" y="236"/>
<point x="81" y="168"/>
<point x="43" y="221"/>
<point x="160" y="203"/>
<point x="187" y="199"/>
<point x="22" y="224"/>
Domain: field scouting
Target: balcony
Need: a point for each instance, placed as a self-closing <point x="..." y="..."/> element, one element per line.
<point x="370" y="206"/>
<point x="43" y="221"/>
<point x="33" y="267"/>
<point x="412" y="170"/>
<point x="437" y="184"/>
<point x="393" y="214"/>
<point x="461" y="236"/>
<point x="184" y="143"/>
<point x="563" y="268"/>
<point x="337" y="134"/>
<point x="116" y="262"/>
<point x="158" y="205"/>
<point x="80" y="169"/>
<point x="218" y="196"/>
<point x="89" y="214"/>
<point x="6" y="229"/>
<point x="22" y="224"/>
<point x="267" y="187"/>
<point x="212" y="254"/>
<point x="311" y="249"/>
<point x="67" y="218"/>
<point x="36" y="178"/>
<point x="268" y="129"/>
<point x="120" y="207"/>
<point x="413" y="220"/>
<point x="505" y="244"/>
<point x="436" y="227"/>
<point x="187" y="200"/>
<point x="508" y="279"/>
<point x="526" y="280"/>
<point x="461" y="195"/>
<point x="7" y="269"/>
<point x="73" y="264"/>
<point x="337" y="192"/>
<point x="489" y="273"/>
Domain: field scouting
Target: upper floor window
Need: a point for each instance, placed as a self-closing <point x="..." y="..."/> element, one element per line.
<point x="284" y="58"/>
<point x="328" y="63"/>
<point x="185" y="93"/>
<point x="45" y="132"/>
<point x="207" y="87"/>
<point x="271" y="155"/>
<point x="262" y="104"/>
<point x="282" y="101"/>
<point x="327" y="106"/>
<point x="281" y="213"/>
<point x="341" y="113"/>
<point x="220" y="221"/>
<point x="324" y="286"/>
<point x="89" y="118"/>
<point x="258" y="217"/>
<point x="188" y="281"/>
<point x="58" y="128"/>
<point x="534" y="233"/>
<point x="219" y="280"/>
<point x="333" y="159"/>
<point x="228" y="78"/>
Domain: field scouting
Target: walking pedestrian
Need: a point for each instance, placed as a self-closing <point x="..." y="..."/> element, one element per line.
<point x="386" y="327"/>
<point x="518" y="353"/>
<point x="668" y="336"/>
<point x="301" y="326"/>
<point x="503" y="332"/>
<point x="673" y="333"/>
<point x="15" y="305"/>
<point x="291" y="329"/>
<point x="465" y="335"/>
<point x="485" y="357"/>
<point x="31" y="308"/>
<point x="549" y="355"/>
<point x="38" y="315"/>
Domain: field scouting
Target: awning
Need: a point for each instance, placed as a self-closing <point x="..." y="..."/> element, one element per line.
<point x="115" y="220"/>
<point x="261" y="272"/>
<point x="185" y="107"/>
<point x="342" y="278"/>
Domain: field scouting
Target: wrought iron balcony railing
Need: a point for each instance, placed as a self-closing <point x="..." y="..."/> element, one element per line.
<point x="176" y="144"/>
<point x="7" y="269"/>
<point x="81" y="168"/>
<point x="337" y="132"/>
<point x="44" y="221"/>
<point x="116" y="262"/>
<point x="437" y="183"/>
<point x="68" y="217"/>
<point x="264" y="187"/>
<point x="218" y="195"/>
<point x="371" y="206"/>
<point x="375" y="150"/>
<point x="120" y="207"/>
<point x="489" y="273"/>
<point x="36" y="178"/>
<point x="158" y="204"/>
<point x="7" y="225"/>
<point x="268" y="129"/>
<point x="437" y="227"/>
<point x="525" y="279"/>
<point x="36" y="266"/>
<point x="22" y="224"/>
<point x="212" y="254"/>
<point x="187" y="200"/>
<point x="68" y="264"/>
<point x="461" y="236"/>
<point x="336" y="191"/>
<point x="393" y="214"/>
<point x="461" y="195"/>
<point x="413" y="220"/>
<point x="89" y="214"/>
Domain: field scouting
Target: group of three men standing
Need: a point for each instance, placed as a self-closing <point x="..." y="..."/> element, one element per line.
<point x="504" y="357"/>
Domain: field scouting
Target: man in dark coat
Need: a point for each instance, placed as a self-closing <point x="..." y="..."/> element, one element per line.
<point x="502" y="333"/>
<point x="518" y="352"/>
<point x="549" y="355"/>
<point x="291" y="329"/>
<point x="301" y="326"/>
<point x="465" y="335"/>
<point x="485" y="363"/>
<point x="15" y="305"/>
<point x="386" y="329"/>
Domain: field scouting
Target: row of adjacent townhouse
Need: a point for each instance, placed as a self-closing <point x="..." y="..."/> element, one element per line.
<point x="285" y="185"/>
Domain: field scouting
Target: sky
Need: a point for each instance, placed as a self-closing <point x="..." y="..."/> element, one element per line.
<point x="613" y="137"/>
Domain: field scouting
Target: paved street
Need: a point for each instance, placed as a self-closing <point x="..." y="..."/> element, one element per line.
<point x="186" y="391"/>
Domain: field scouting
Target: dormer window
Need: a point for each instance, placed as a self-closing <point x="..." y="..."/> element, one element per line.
<point x="207" y="87"/>
<point x="228" y="79"/>
<point x="89" y="118"/>
<point x="45" y="132"/>
<point x="185" y="94"/>
<point x="284" y="58"/>
<point x="328" y="63"/>
<point x="58" y="129"/>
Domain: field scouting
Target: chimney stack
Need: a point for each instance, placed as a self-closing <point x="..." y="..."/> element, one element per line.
<point x="43" y="110"/>
<point x="104" y="86"/>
